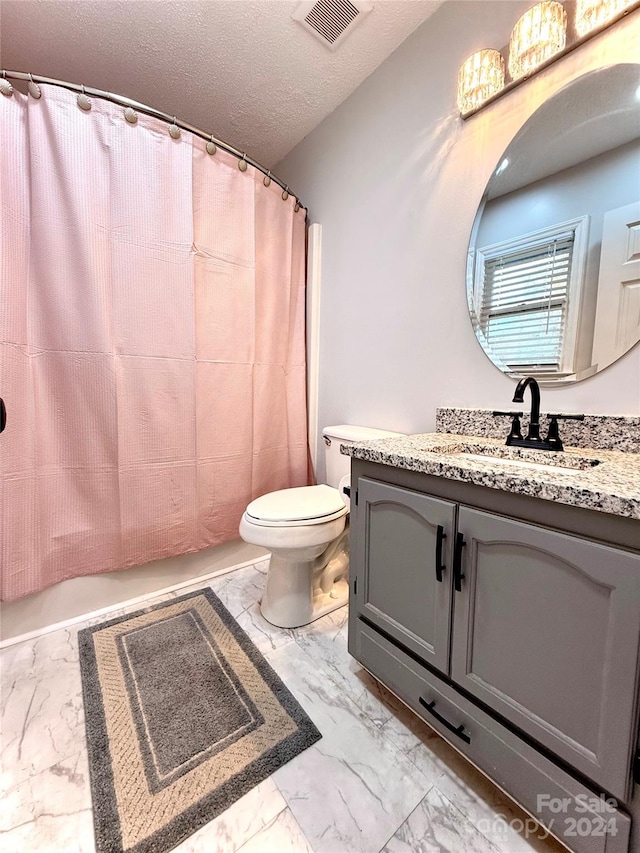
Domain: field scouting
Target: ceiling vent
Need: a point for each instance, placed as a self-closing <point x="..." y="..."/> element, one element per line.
<point x="331" y="21"/>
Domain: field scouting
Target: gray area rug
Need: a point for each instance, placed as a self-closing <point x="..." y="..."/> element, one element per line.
<point x="183" y="716"/>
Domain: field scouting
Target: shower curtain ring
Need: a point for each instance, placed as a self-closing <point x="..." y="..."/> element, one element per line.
<point x="174" y="130"/>
<point x="267" y="178"/>
<point x="5" y="86"/>
<point x="83" y="100"/>
<point x="211" y="146"/>
<point x="242" y="165"/>
<point x="34" y="89"/>
<point x="285" y="193"/>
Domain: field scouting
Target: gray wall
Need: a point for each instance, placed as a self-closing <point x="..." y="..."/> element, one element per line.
<point x="594" y="187"/>
<point x="395" y="177"/>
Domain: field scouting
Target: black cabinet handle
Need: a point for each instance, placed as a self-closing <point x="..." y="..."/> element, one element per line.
<point x="3" y="415"/>
<point x="457" y="730"/>
<point x="458" y="577"/>
<point x="440" y="537"/>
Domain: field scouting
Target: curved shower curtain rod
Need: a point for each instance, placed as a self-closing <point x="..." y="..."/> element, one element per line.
<point x="150" y="111"/>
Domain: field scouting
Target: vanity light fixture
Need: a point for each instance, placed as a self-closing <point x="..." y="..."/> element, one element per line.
<point x="545" y="32"/>
<point x="594" y="13"/>
<point x="480" y="77"/>
<point x="539" y="34"/>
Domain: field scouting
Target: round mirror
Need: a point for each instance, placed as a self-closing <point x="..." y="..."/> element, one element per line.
<point x="553" y="272"/>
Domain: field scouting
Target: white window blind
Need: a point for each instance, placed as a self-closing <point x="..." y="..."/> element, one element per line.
<point x="524" y="303"/>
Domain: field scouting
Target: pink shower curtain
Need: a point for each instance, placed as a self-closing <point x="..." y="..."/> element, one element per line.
<point x="152" y="334"/>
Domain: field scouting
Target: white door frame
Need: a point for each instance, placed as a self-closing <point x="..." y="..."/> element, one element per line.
<point x="314" y="268"/>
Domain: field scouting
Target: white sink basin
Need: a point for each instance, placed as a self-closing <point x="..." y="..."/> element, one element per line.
<point x="520" y="463"/>
<point x="519" y="457"/>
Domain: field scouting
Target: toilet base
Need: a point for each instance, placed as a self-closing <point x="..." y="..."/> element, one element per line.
<point x="323" y="603"/>
<point x="298" y="592"/>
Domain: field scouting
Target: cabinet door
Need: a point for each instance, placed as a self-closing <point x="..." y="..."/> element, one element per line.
<point x="399" y="589"/>
<point x="546" y="632"/>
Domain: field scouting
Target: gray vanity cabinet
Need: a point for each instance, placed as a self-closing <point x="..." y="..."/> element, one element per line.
<point x="404" y="566"/>
<point x="523" y="651"/>
<point x="546" y="632"/>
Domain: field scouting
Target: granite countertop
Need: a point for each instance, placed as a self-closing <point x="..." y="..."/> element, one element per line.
<point x="603" y="480"/>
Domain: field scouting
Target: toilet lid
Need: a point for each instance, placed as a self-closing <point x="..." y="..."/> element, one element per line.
<point x="304" y="505"/>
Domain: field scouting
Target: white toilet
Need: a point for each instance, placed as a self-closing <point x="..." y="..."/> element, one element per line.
<point x="307" y="533"/>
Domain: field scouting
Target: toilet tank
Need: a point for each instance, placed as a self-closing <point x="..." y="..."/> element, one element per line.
<point x="337" y="465"/>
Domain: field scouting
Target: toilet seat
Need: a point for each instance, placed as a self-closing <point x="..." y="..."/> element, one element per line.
<point x="303" y="506"/>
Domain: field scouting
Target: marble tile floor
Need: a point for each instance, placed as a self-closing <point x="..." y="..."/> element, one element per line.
<point x="379" y="780"/>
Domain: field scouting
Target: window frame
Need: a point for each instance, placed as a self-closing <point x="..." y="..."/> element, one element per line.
<point x="575" y="290"/>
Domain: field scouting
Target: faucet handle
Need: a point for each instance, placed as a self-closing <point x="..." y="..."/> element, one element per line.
<point x="553" y="436"/>
<point x="566" y="417"/>
<point x="516" y="429"/>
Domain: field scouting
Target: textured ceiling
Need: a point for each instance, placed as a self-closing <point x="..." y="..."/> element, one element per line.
<point x="240" y="69"/>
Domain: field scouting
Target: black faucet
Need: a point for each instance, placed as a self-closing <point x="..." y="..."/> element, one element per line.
<point x="533" y="434"/>
<point x="553" y="440"/>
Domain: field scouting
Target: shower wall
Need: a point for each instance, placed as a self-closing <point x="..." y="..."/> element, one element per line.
<point x="102" y="593"/>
